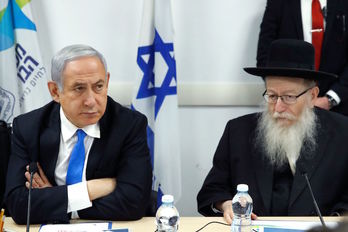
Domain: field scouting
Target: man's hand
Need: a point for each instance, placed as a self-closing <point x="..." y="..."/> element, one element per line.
<point x="322" y="102"/>
<point x="226" y="208"/>
<point x="39" y="179"/>
<point x="98" y="188"/>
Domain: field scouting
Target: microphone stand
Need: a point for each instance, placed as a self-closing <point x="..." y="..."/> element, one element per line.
<point x="314" y="201"/>
<point x="29" y="200"/>
<point x="32" y="170"/>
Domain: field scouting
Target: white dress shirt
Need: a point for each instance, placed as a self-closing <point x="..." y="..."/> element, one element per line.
<point x="306" y="13"/>
<point x="78" y="197"/>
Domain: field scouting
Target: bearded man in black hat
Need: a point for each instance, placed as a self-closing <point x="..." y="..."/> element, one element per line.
<point x="272" y="150"/>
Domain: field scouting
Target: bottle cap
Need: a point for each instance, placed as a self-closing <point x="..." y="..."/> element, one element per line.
<point x="167" y="199"/>
<point x="242" y="188"/>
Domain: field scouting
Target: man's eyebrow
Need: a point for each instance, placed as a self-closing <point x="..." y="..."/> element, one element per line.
<point x="99" y="82"/>
<point x="78" y="83"/>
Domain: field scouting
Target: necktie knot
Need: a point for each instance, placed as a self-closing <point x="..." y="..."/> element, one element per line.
<point x="80" y="134"/>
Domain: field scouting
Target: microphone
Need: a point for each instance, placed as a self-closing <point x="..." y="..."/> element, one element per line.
<point x="32" y="170"/>
<point x="303" y="173"/>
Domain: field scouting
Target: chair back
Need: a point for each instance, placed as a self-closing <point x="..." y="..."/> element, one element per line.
<point x="5" y="150"/>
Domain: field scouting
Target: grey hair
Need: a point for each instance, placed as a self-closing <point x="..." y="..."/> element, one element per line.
<point x="310" y="83"/>
<point x="70" y="53"/>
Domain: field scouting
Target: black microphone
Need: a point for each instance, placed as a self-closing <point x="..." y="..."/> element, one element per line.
<point x="32" y="170"/>
<point x="303" y="173"/>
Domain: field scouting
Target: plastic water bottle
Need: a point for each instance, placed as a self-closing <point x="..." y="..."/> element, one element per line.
<point x="242" y="206"/>
<point x="167" y="216"/>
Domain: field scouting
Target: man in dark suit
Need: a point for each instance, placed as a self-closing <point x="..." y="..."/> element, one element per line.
<point x="270" y="151"/>
<point x="104" y="174"/>
<point x="292" y="19"/>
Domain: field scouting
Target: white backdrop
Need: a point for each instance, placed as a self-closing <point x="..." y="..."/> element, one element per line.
<point x="213" y="41"/>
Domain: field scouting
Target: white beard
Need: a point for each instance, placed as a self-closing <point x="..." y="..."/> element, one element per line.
<point x="282" y="143"/>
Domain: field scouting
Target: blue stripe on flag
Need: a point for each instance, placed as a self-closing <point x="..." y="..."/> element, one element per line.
<point x="151" y="144"/>
<point x="159" y="196"/>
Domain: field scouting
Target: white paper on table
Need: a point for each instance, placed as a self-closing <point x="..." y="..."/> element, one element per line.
<point x="78" y="227"/>
<point x="302" y="225"/>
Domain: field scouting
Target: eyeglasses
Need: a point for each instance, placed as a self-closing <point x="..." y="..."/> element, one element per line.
<point x="287" y="99"/>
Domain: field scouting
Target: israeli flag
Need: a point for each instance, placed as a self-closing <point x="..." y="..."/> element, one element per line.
<point x="23" y="82"/>
<point x="156" y="95"/>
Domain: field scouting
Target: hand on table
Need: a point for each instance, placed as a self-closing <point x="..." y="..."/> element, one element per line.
<point x="226" y="208"/>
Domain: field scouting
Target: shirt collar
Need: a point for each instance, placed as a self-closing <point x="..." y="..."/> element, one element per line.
<point x="68" y="129"/>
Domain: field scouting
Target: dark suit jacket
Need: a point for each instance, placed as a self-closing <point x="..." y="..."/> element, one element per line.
<point x="120" y="152"/>
<point x="238" y="159"/>
<point x="282" y="20"/>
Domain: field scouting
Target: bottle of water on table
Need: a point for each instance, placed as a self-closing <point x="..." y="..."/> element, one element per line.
<point x="242" y="206"/>
<point x="167" y="216"/>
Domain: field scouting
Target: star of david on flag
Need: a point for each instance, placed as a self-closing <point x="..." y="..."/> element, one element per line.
<point x="155" y="95"/>
<point x="147" y="86"/>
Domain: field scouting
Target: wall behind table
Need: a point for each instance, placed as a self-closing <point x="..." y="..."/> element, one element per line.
<point x="213" y="41"/>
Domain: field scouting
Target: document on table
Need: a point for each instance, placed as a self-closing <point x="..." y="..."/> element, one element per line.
<point x="78" y="227"/>
<point x="264" y="226"/>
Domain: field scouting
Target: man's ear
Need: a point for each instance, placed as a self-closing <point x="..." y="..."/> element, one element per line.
<point x="315" y="92"/>
<point x="107" y="79"/>
<point x="314" y="95"/>
<point x="54" y="90"/>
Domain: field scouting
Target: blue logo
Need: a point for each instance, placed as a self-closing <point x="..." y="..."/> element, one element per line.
<point x="7" y="102"/>
<point x="25" y="63"/>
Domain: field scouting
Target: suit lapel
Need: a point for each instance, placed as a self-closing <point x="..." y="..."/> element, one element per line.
<point x="49" y="144"/>
<point x="97" y="151"/>
<point x="310" y="161"/>
<point x="296" y="9"/>
<point x="95" y="156"/>
<point x="264" y="178"/>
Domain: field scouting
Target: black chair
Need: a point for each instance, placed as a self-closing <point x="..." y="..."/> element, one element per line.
<point x="152" y="207"/>
<point x="5" y="150"/>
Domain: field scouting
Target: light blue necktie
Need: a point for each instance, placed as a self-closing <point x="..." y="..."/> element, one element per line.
<point x="77" y="160"/>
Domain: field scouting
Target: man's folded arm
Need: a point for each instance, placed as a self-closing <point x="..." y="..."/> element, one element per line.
<point x="48" y="204"/>
<point x="130" y="198"/>
<point x="216" y="187"/>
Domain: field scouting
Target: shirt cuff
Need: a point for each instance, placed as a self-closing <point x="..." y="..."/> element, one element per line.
<point x="334" y="95"/>
<point x="215" y="210"/>
<point x="78" y="197"/>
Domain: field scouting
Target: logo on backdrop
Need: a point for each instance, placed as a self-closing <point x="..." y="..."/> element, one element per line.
<point x="7" y="102"/>
<point x="29" y="71"/>
<point x="25" y="63"/>
<point x="147" y="86"/>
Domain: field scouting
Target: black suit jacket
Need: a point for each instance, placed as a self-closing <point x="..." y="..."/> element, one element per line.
<point x="238" y="159"/>
<point x="120" y="152"/>
<point x="282" y="20"/>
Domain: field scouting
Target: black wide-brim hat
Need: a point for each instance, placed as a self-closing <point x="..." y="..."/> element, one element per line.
<point x="291" y="58"/>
